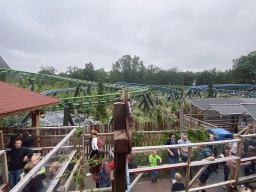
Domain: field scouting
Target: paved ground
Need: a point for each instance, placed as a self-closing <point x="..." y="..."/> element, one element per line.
<point x="165" y="184"/>
<point x="144" y="185"/>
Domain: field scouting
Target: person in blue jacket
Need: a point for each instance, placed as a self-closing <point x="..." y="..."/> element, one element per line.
<point x="173" y="155"/>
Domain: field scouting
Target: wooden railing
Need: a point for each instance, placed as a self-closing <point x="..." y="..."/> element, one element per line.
<point x="194" y="123"/>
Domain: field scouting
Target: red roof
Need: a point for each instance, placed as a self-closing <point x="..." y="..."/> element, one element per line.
<point x="15" y="100"/>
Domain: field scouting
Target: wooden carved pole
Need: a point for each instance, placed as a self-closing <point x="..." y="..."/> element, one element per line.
<point x="122" y="143"/>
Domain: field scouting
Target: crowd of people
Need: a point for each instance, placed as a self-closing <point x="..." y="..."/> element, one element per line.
<point x="100" y="168"/>
<point x="23" y="160"/>
<point x="175" y="155"/>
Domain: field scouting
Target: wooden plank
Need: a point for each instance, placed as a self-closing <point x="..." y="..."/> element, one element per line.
<point x="1" y="141"/>
<point x="200" y="172"/>
<point x="239" y="153"/>
<point x="188" y="169"/>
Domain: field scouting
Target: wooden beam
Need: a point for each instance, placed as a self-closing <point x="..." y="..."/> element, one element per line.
<point x="200" y="172"/>
<point x="35" y="123"/>
<point x="1" y="141"/>
<point x="188" y="169"/>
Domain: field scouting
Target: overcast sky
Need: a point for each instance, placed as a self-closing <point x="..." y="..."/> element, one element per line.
<point x="193" y="35"/>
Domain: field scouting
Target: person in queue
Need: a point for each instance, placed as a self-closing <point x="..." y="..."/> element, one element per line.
<point x="19" y="157"/>
<point x="204" y="155"/>
<point x="173" y="155"/>
<point x="184" y="150"/>
<point x="95" y="148"/>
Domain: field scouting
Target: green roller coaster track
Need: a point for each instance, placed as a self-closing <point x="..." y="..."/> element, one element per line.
<point x="84" y="101"/>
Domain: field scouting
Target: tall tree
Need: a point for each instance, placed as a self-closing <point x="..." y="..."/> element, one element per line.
<point x="115" y="75"/>
<point x="101" y="111"/>
<point x="126" y="64"/>
<point x="48" y="70"/>
<point x="89" y="72"/>
<point x="244" y="69"/>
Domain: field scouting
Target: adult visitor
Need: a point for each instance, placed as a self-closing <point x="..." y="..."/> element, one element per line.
<point x="95" y="148"/>
<point x="205" y="154"/>
<point x="184" y="150"/>
<point x="173" y="155"/>
<point x="19" y="157"/>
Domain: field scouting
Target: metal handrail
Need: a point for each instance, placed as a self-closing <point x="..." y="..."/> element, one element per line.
<point x="30" y="174"/>
<point x="161" y="147"/>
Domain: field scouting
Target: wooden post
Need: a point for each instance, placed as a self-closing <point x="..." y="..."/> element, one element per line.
<point x="121" y="147"/>
<point x="35" y="123"/>
<point x="200" y="172"/>
<point x="1" y="141"/>
<point x="190" y="115"/>
<point x="181" y="115"/>
<point x="254" y="126"/>
<point x="188" y="168"/>
<point x="239" y="154"/>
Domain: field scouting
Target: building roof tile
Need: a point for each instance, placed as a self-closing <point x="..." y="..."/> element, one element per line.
<point x="15" y="100"/>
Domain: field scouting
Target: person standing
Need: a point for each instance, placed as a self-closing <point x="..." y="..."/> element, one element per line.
<point x="184" y="150"/>
<point x="153" y="162"/>
<point x="205" y="154"/>
<point x="94" y="138"/>
<point x="173" y="155"/>
<point x="19" y="157"/>
<point x="95" y="148"/>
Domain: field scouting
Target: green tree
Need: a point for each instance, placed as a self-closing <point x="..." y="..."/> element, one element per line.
<point x="89" y="72"/>
<point x="115" y="75"/>
<point x="126" y="64"/>
<point x="3" y="77"/>
<point x="158" y="115"/>
<point x="101" y="74"/>
<point x="101" y="111"/>
<point x="48" y="70"/>
<point x="244" y="69"/>
<point x="210" y="90"/>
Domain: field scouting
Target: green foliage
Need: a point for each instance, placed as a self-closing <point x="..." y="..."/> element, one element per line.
<point x="174" y="107"/>
<point x="137" y="139"/>
<point x="197" y="135"/>
<point x="48" y="70"/>
<point x="158" y="115"/>
<point x="3" y="77"/>
<point x="9" y="121"/>
<point x="210" y="90"/>
<point x="89" y="89"/>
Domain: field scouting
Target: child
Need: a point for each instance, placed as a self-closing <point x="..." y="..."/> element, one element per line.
<point x="53" y="170"/>
<point x="35" y="159"/>
<point x="97" y="165"/>
<point x="35" y="184"/>
<point x="26" y="169"/>
<point x="153" y="162"/>
<point x="178" y="186"/>
<point x="227" y="164"/>
<point x="234" y="144"/>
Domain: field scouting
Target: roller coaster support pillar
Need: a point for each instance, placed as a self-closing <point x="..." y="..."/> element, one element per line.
<point x="35" y="123"/>
<point x="31" y="88"/>
<point x="77" y="89"/>
<point x="31" y="84"/>
<point x="67" y="116"/>
<point x="146" y="102"/>
<point x="150" y="100"/>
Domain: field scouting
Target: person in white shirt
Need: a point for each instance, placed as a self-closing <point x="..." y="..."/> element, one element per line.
<point x="95" y="148"/>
